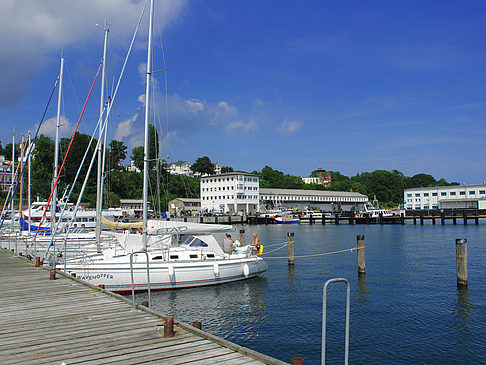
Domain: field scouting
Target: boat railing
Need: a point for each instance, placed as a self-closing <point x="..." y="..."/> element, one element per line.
<point x="134" y="305"/>
<point x="324" y="315"/>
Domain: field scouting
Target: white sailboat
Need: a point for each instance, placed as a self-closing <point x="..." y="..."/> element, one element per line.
<point x="157" y="253"/>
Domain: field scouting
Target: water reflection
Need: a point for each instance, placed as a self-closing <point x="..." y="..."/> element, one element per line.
<point x="362" y="291"/>
<point x="463" y="311"/>
<point x="291" y="275"/>
<point x="221" y="308"/>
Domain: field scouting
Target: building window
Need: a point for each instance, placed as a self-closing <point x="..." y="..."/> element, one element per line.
<point x="435" y="206"/>
<point x="453" y="193"/>
<point x="472" y="192"/>
<point x="426" y="194"/>
<point x="417" y="194"/>
<point x="482" y="192"/>
<point x="426" y="206"/>
<point x="443" y="194"/>
<point x="409" y="195"/>
<point x="462" y="193"/>
<point x="434" y="194"/>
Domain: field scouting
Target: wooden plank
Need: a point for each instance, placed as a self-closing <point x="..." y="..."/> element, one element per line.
<point x="52" y="321"/>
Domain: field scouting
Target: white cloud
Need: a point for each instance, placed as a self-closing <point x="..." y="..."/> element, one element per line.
<point x="245" y="127"/>
<point x="289" y="126"/>
<point x="32" y="33"/>
<point x="49" y="127"/>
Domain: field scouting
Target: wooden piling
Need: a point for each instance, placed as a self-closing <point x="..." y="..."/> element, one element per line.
<point x="380" y="218"/>
<point x="323" y="219"/>
<point x="402" y="218"/>
<point x="465" y="218"/>
<point x="297" y="361"/>
<point x="442" y="217"/>
<point x="52" y="274"/>
<point x="37" y="261"/>
<point x="290" y="245"/>
<point x="336" y="219"/>
<point x="421" y="218"/>
<point x="361" y="254"/>
<point x="197" y="325"/>
<point x="169" y="327"/>
<point x="461" y="262"/>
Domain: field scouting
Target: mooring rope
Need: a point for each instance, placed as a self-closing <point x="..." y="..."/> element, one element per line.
<point x="313" y="255"/>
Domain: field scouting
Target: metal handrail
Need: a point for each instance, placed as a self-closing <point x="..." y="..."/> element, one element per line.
<point x="134" y="305"/>
<point x="324" y="306"/>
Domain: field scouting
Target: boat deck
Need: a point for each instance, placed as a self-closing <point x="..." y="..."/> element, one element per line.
<point x="47" y="321"/>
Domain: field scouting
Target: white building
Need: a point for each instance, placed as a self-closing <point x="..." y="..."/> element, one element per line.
<point x="180" y="168"/>
<point x="446" y="197"/>
<point x="5" y="173"/>
<point x="232" y="192"/>
<point x="326" y="201"/>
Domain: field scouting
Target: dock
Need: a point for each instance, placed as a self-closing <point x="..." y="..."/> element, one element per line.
<point x="46" y="321"/>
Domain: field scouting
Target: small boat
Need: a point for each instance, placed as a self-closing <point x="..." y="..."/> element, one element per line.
<point x="287" y="219"/>
<point x="369" y="210"/>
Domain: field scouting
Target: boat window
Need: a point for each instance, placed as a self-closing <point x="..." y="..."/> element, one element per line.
<point x="193" y="256"/>
<point x="210" y="255"/>
<point x="198" y="243"/>
<point x="157" y="258"/>
<point x="174" y="257"/>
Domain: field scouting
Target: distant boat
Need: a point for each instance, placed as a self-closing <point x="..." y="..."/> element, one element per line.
<point x="287" y="219"/>
<point x="369" y="210"/>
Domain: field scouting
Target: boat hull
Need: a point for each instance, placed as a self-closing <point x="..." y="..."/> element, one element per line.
<point x="165" y="276"/>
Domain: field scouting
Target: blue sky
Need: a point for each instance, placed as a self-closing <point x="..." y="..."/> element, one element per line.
<point x="348" y="86"/>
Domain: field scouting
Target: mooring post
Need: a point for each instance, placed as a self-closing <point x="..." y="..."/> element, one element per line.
<point x="380" y="218"/>
<point x="52" y="274"/>
<point x="197" y="325"/>
<point x="323" y="219"/>
<point x="37" y="261"/>
<point x="297" y="361"/>
<point x="461" y="261"/>
<point x="311" y="219"/>
<point x="442" y="217"/>
<point x="169" y="327"/>
<point x="421" y="218"/>
<point x="242" y="237"/>
<point x="290" y="245"/>
<point x="336" y="219"/>
<point x="402" y="218"/>
<point x="465" y="218"/>
<point x="361" y="254"/>
<point x="145" y="303"/>
<point x="201" y="219"/>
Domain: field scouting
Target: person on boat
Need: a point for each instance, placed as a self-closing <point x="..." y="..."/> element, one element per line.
<point x="255" y="245"/>
<point x="228" y="244"/>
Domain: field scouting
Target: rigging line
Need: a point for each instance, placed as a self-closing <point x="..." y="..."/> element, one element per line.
<point x="74" y="91"/>
<point x="67" y="153"/>
<point x="98" y="124"/>
<point x="32" y="144"/>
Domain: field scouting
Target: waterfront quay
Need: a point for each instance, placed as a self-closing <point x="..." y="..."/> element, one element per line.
<point x="65" y="320"/>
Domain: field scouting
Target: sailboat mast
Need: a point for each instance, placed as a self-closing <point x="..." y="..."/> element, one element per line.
<point x="12" y="205"/>
<point x="28" y="185"/>
<point x="146" y="139"/>
<point x="99" y="191"/>
<point x="21" y="178"/>
<point x="56" y="149"/>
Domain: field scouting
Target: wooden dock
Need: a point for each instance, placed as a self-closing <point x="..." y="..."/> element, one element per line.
<point x="45" y="321"/>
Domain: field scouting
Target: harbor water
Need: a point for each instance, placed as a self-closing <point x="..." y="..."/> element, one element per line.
<point x="407" y="309"/>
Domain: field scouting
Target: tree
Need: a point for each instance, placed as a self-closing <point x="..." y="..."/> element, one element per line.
<point x="137" y="157"/>
<point x="118" y="152"/>
<point x="203" y="165"/>
<point x="225" y="169"/>
<point x="42" y="166"/>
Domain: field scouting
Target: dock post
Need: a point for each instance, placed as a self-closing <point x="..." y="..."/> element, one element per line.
<point x="442" y="217"/>
<point x="351" y="219"/>
<point x="465" y="218"/>
<point x="380" y="218"/>
<point x="461" y="262"/>
<point x="323" y="219"/>
<point x="297" y="361"/>
<point x="290" y="245"/>
<point x="52" y="274"/>
<point x="185" y="219"/>
<point x="402" y="218"/>
<point x="201" y="219"/>
<point x="242" y="237"/>
<point x="336" y="219"/>
<point x="421" y="218"/>
<point x="367" y="219"/>
<point x="197" y="325"/>
<point x="311" y="219"/>
<point x="37" y="261"/>
<point x="476" y="218"/>
<point x="433" y="220"/>
<point x="229" y="219"/>
<point x="361" y="254"/>
<point x="169" y="327"/>
<point x="414" y="220"/>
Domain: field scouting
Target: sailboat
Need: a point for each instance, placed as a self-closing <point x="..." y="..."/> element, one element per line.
<point x="156" y="258"/>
